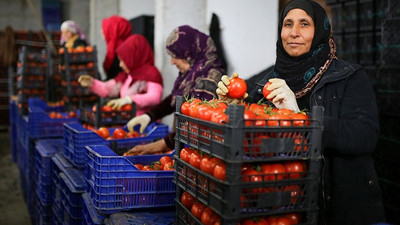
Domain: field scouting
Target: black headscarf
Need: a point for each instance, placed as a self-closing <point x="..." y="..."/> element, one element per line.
<point x="301" y="73"/>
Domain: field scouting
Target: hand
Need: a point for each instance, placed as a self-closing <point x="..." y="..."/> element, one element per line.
<point x="282" y="96"/>
<point x="222" y="90"/>
<point x="143" y="120"/>
<point x="86" y="81"/>
<point x="151" y="148"/>
<point x="119" y="102"/>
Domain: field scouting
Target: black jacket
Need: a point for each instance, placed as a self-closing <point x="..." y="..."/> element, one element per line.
<point x="351" y="194"/>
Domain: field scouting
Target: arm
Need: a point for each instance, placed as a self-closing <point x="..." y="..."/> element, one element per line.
<point x="355" y="128"/>
<point x="152" y="96"/>
<point x="103" y="89"/>
<point x="162" y="109"/>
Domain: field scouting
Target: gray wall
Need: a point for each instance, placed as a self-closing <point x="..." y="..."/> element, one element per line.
<point x="18" y="15"/>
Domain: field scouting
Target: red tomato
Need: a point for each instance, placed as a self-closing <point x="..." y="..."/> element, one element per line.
<point x="185" y="108"/>
<point x="148" y="168"/>
<point x="72" y="114"/>
<point x="139" y="166"/>
<point x="237" y="87"/>
<point x="248" y="117"/>
<point x="277" y="172"/>
<point x="220" y="171"/>
<point x="207" y="165"/>
<point x="197" y="209"/>
<point x="164" y="160"/>
<point x="187" y="200"/>
<point x="133" y="134"/>
<point x="255" y="221"/>
<point x="53" y="115"/>
<point x="300" y="119"/>
<point x="195" y="159"/>
<point x="279" y="120"/>
<point x="294" y="217"/>
<point x="185" y="154"/>
<point x="169" y="166"/>
<point x="118" y="133"/>
<point x="127" y="107"/>
<point x="219" y="117"/>
<point x="295" y="168"/>
<point x="265" y="91"/>
<point x="207" y="216"/>
<point x="106" y="108"/>
<point x="204" y="112"/>
<point x="298" y="145"/>
<point x="104" y="132"/>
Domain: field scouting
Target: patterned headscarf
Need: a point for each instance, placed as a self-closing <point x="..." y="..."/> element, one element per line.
<point x="116" y="29"/>
<point x="303" y="72"/>
<point x="74" y="28"/>
<point x="199" y="50"/>
<point x="138" y="56"/>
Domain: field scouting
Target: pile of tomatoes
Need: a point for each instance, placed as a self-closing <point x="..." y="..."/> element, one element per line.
<point x="57" y="115"/>
<point x="205" y="214"/>
<point x="118" y="133"/>
<point x="284" y="219"/>
<point x="79" y="49"/>
<point x="106" y="108"/>
<point x="165" y="163"/>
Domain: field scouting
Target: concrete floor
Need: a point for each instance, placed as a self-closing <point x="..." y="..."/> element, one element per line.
<point x="13" y="210"/>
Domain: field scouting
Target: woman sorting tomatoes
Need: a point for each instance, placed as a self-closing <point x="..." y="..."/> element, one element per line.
<point x="307" y="73"/>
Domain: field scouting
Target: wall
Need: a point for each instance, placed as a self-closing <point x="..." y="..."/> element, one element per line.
<point x="133" y="8"/>
<point x="18" y="15"/>
<point x="78" y="11"/>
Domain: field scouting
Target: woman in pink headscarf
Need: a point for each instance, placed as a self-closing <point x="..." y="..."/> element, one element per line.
<point x="72" y="35"/>
<point x="115" y="30"/>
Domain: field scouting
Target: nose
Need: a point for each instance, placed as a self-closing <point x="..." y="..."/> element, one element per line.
<point x="172" y="60"/>
<point x="294" y="32"/>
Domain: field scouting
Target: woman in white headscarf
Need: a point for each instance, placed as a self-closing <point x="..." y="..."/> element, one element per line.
<point x="72" y="35"/>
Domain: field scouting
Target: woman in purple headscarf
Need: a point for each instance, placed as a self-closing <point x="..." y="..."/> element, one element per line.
<point x="195" y="55"/>
<point x="72" y="35"/>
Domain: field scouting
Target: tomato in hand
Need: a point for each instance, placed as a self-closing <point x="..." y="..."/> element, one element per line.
<point x="266" y="92"/>
<point x="237" y="87"/>
<point x="118" y="133"/>
<point x="103" y="132"/>
<point x="187" y="200"/>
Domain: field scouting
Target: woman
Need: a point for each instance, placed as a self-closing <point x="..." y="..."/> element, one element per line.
<point x="194" y="54"/>
<point x="115" y="30"/>
<point x="139" y="82"/>
<point x="307" y="73"/>
<point x="72" y="35"/>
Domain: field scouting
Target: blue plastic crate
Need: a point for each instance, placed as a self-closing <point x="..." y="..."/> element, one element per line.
<point x="76" y="137"/>
<point x="90" y="214"/>
<point x="72" y="186"/>
<point x="113" y="183"/>
<point x="44" y="212"/>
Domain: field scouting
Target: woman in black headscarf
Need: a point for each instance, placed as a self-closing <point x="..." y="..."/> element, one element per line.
<point x="307" y="73"/>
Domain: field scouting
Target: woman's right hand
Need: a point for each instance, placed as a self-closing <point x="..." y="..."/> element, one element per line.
<point x="222" y="90"/>
<point x="143" y="120"/>
<point x="86" y="81"/>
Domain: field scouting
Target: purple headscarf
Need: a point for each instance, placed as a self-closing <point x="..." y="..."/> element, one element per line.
<point x="206" y="69"/>
<point x="74" y="28"/>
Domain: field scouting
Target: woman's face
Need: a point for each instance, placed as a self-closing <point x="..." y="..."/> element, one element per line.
<point x="123" y="66"/>
<point x="297" y="32"/>
<point x="66" y="34"/>
<point x="181" y="64"/>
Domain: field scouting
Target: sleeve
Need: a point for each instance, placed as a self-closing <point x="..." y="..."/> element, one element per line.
<point x="170" y="140"/>
<point x="152" y="96"/>
<point x="162" y="109"/>
<point x="101" y="88"/>
<point x="355" y="129"/>
<point x="206" y="86"/>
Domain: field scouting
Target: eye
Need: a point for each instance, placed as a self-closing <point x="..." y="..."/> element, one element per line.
<point x="287" y="24"/>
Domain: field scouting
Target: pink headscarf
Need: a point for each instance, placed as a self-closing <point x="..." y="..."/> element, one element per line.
<point x="74" y="28"/>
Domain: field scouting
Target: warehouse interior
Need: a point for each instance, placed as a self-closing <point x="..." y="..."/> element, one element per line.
<point x="365" y="32"/>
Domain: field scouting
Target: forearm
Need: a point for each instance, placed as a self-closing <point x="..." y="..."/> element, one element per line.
<point x="151" y="98"/>
<point x="101" y="88"/>
<point x="162" y="109"/>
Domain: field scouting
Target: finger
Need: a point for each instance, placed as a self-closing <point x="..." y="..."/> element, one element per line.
<point x="142" y="128"/>
<point x="220" y="92"/>
<point x="245" y="95"/>
<point x="234" y="75"/>
<point x="223" y="88"/>
<point x="79" y="79"/>
<point x="225" y="80"/>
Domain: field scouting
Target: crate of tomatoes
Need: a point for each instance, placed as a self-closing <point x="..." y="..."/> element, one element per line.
<point x="121" y="183"/>
<point x="119" y="139"/>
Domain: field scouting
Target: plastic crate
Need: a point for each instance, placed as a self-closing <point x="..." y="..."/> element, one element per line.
<point x="76" y="137"/>
<point x="90" y="214"/>
<point x="235" y="142"/>
<point x="139" y="217"/>
<point x="114" y="184"/>
<point x="100" y="118"/>
<point x="72" y="186"/>
<point x="44" y="213"/>
<point x="236" y="198"/>
<point x="45" y="149"/>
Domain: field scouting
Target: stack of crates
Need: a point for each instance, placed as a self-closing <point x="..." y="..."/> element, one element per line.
<point x="238" y="147"/>
<point x="90" y="214"/>
<point x="76" y="62"/>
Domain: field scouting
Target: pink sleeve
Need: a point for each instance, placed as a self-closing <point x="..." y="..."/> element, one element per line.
<point x="151" y="98"/>
<point x="101" y="88"/>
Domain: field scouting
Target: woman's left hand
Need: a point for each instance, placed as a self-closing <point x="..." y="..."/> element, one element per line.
<point x="222" y="90"/>
<point x="151" y="148"/>
<point x="119" y="102"/>
<point x="282" y="96"/>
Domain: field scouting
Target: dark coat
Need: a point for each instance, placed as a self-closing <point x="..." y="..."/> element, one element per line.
<point x="351" y="194"/>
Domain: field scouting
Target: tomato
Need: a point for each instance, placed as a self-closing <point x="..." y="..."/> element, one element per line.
<point x="220" y="171"/>
<point x="219" y="117"/>
<point x="207" y="165"/>
<point x="118" y="133"/>
<point x="195" y="159"/>
<point x="197" y="209"/>
<point x="295" y="168"/>
<point x="252" y="175"/>
<point x="256" y="108"/>
<point x="298" y="145"/>
<point x="80" y="49"/>
<point x="300" y="119"/>
<point x="89" y="49"/>
<point x="61" y="51"/>
<point x="133" y="134"/>
<point x="126" y="107"/>
<point x="71" y="114"/>
<point x="147" y="168"/>
<point x="139" y="166"/>
<point x="53" y="114"/>
<point x="164" y="160"/>
<point x="185" y="108"/>
<point x="187" y="200"/>
<point x="279" y="120"/>
<point x="295" y="218"/>
<point x="106" y="108"/>
<point x="185" y="154"/>
<point x="276" y="171"/>
<point x="193" y="107"/>
<point x="267" y="92"/>
<point x="169" y="166"/>
<point x="104" y="132"/>
<point x="248" y="117"/>
<point x="207" y="216"/>
<point x="204" y="112"/>
<point x="255" y="221"/>
<point x="237" y="87"/>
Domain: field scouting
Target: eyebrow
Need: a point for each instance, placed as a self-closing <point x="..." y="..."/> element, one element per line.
<point x="301" y="20"/>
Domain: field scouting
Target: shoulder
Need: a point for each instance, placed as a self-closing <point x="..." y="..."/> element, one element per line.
<point x="79" y="42"/>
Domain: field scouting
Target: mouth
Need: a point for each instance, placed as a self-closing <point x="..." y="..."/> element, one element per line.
<point x="294" y="44"/>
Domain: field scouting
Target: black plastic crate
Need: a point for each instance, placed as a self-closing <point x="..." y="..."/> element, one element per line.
<point x="235" y="142"/>
<point x="350" y="50"/>
<point x="369" y="54"/>
<point x="391" y="8"/>
<point x="350" y="16"/>
<point x="337" y="18"/>
<point x="390" y="43"/>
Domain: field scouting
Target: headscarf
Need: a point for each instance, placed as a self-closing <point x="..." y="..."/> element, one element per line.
<point x="116" y="29"/>
<point x="303" y="72"/>
<point x="138" y="56"/>
<point x="199" y="50"/>
<point x="74" y="28"/>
